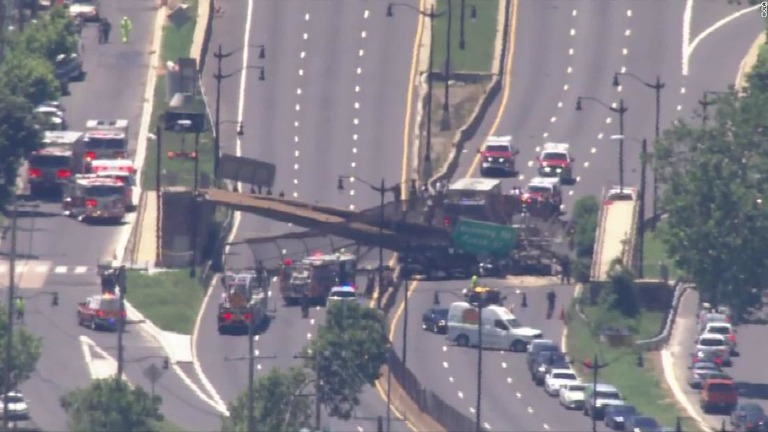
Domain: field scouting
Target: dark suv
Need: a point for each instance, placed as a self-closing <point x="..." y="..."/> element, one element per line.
<point x="546" y="361"/>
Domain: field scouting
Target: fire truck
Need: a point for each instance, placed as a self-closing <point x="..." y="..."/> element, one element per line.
<point x="104" y="139"/>
<point x="315" y="276"/>
<point x="244" y="301"/>
<point x="555" y="160"/>
<point x="89" y="198"/>
<point x="121" y="170"/>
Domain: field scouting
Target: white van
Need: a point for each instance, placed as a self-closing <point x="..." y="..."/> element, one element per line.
<point x="500" y="329"/>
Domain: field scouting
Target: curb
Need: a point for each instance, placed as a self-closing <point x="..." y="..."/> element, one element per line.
<point x="748" y="62"/>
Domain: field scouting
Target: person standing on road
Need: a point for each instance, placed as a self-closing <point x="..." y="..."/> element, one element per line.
<point x="20" y="306"/>
<point x="125" y="28"/>
<point x="106" y="28"/>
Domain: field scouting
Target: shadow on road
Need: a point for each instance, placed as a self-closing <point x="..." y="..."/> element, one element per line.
<point x="752" y="390"/>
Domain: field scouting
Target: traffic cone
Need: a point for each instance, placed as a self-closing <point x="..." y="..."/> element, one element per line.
<point x="562" y="315"/>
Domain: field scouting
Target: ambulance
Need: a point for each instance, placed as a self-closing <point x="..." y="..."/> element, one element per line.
<point x="123" y="171"/>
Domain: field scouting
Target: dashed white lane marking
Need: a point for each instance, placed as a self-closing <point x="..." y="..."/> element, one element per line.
<point x="570" y="51"/>
<point x="354" y="149"/>
<point x="624" y="51"/>
<point x="295" y="194"/>
<point x="363" y="34"/>
<point x="303" y="54"/>
<point x="629" y="12"/>
<point x="559" y="104"/>
<point x="573" y="32"/>
<point x="623" y="69"/>
<point x="608" y="120"/>
<point x="306" y="17"/>
<point x="301" y="72"/>
<point x="574" y="12"/>
<point x="545" y="426"/>
<point x="570" y="192"/>
<point x="296" y="123"/>
<point x="296" y="153"/>
<point x="295" y="166"/>
<point x="351" y="206"/>
<point x="312" y="321"/>
<point x="305" y="36"/>
<point x="445" y="364"/>
<point x="565" y="87"/>
<point x="518" y="395"/>
<point x="486" y="425"/>
<point x="586" y="164"/>
<point x="593" y="150"/>
<point x="553" y="119"/>
<point x="450" y="378"/>
<point x="504" y="365"/>
<point x="509" y="380"/>
<point x="354" y="136"/>
<point x="353" y="164"/>
<point x="682" y="90"/>
<point x="309" y="336"/>
<point x="679" y="107"/>
<point x="352" y="192"/>
<point x="445" y="348"/>
<point x="545" y="134"/>
<point x="359" y="71"/>
<point x="357" y="89"/>
<point x="472" y="410"/>
<point x="366" y="14"/>
<point x="60" y="269"/>
<point x="355" y="121"/>
<point x="359" y="429"/>
<point x="357" y="105"/>
<point x="298" y="107"/>
<point x="295" y="181"/>
<point x="296" y="139"/>
<point x="600" y="135"/>
<point x="80" y="269"/>
<point x="461" y="395"/>
<point x="530" y="165"/>
<point x="569" y="70"/>
<point x="530" y="410"/>
<point x="619" y="88"/>
<point x="627" y="32"/>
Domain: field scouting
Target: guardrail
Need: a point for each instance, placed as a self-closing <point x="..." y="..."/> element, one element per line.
<point x="658" y="342"/>
<point x="597" y="255"/>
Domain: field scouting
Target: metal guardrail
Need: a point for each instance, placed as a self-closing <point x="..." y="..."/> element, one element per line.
<point x="658" y="342"/>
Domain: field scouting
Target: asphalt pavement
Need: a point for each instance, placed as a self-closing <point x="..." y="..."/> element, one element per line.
<point x="332" y="104"/>
<point x="60" y="254"/>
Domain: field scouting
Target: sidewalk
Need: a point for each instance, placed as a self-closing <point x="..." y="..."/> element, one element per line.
<point x="616" y="230"/>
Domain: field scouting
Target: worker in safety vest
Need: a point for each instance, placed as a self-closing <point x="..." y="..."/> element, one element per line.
<point x="20" y="306"/>
<point x="125" y="28"/>
<point x="473" y="283"/>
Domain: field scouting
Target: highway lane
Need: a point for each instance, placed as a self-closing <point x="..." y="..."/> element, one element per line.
<point x="58" y="243"/>
<point x="292" y="124"/>
<point x="451" y="371"/>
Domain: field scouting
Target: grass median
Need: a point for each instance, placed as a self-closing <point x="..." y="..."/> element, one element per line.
<point x="655" y="255"/>
<point x="170" y="299"/>
<point x="640" y="386"/>
<point x="176" y="43"/>
<point x="479" y="35"/>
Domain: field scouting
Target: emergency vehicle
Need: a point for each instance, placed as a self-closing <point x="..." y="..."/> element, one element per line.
<point x="543" y="194"/>
<point x="121" y="170"/>
<point x="244" y="301"/>
<point x="89" y="197"/>
<point x="104" y="139"/>
<point x="555" y="160"/>
<point x="498" y="157"/>
<point x="49" y="170"/>
<point x="487" y="295"/>
<point x="100" y="312"/>
<point x="315" y="276"/>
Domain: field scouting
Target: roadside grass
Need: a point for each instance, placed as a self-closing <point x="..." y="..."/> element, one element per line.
<point x="479" y="35"/>
<point x="170" y="299"/>
<point x="640" y="386"/>
<point x="166" y="426"/>
<point x="176" y="43"/>
<point x="655" y="254"/>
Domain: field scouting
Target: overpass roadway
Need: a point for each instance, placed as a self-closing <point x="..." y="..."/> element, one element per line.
<point x="566" y="50"/>
<point x="332" y="104"/>
<point x="60" y="254"/>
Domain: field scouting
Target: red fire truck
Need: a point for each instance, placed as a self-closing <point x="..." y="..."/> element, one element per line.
<point x="243" y="303"/>
<point x="315" y="276"/>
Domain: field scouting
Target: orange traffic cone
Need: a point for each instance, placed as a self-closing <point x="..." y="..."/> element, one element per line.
<point x="562" y="315"/>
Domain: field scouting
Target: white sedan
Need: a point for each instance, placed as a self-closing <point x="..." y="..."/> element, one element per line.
<point x="557" y="379"/>
<point x="572" y="396"/>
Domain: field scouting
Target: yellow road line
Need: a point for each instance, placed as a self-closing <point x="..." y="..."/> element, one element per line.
<point x="505" y="85"/>
<point x="475" y="162"/>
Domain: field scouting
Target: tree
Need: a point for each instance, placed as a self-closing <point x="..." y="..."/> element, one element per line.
<point x="109" y="405"/>
<point x="25" y="352"/>
<point x="279" y="405"/>
<point x="623" y="289"/>
<point x="717" y="224"/>
<point x="48" y="37"/>
<point x="19" y="136"/>
<point x="29" y="76"/>
<point x="584" y="216"/>
<point x="350" y="349"/>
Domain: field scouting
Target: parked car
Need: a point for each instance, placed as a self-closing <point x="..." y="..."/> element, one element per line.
<point x="598" y="397"/>
<point x="557" y="379"/>
<point x="537" y="346"/>
<point x="717" y="344"/>
<point x="18" y="409"/>
<point x="616" y="415"/>
<point x="642" y="424"/>
<point x="697" y="369"/>
<point x="546" y="361"/>
<point x="572" y="396"/>
<point x="718" y="395"/>
<point x="726" y="330"/>
<point x="435" y="320"/>
<point x="711" y="317"/>
<point x="748" y="417"/>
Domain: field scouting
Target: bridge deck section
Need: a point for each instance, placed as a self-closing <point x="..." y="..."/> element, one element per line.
<point x="615" y="236"/>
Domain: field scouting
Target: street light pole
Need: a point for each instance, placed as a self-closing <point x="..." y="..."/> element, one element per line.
<point x="428" y="150"/>
<point x="641" y="222"/>
<point x="219" y="76"/>
<point x="462" y="41"/>
<point x="158" y="199"/>
<point x="381" y="238"/>
<point x="620" y="112"/>
<point x="705" y="103"/>
<point x="478" y="403"/>
<point x="11" y="303"/>
<point x="251" y="395"/>
<point x="405" y="324"/>
<point x="445" y="121"/>
<point x="595" y="367"/>
<point x="658" y="87"/>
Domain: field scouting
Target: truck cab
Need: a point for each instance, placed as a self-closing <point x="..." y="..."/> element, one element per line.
<point x="718" y="395"/>
<point x="243" y="303"/>
<point x="556" y="161"/>
<point x="499" y="327"/>
<point x="104" y="139"/>
<point x="543" y="196"/>
<point x="90" y="198"/>
<point x="122" y="171"/>
<point x="100" y="312"/>
<point x="498" y="157"/>
<point x="315" y="276"/>
<point x="49" y="170"/>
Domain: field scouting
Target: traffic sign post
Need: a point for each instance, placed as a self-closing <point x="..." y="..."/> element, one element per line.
<point x="483" y="238"/>
<point x="153" y="374"/>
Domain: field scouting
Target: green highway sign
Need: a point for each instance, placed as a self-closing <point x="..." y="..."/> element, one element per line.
<point x="483" y="238"/>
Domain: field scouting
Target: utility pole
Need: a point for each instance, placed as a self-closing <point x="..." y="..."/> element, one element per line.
<point x="389" y="387"/>
<point x="641" y="222"/>
<point x="11" y="303"/>
<point x="251" y="359"/>
<point x="430" y="71"/>
<point x="445" y="121"/>
<point x="381" y="240"/>
<point x="595" y="367"/>
<point x="119" y="276"/>
<point x="621" y="110"/>
<point x="478" y="403"/>
<point x="405" y="324"/>
<point x="195" y="208"/>
<point x="219" y="76"/>
<point x="658" y="87"/>
<point x="158" y="200"/>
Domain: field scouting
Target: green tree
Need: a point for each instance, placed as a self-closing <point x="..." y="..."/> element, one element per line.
<point x="624" y="290"/>
<point x="350" y="349"/>
<point x="19" y="136"/>
<point x="584" y="216"/>
<point x="279" y="405"/>
<point x="25" y="352"/>
<point x="715" y="199"/>
<point x="48" y="37"/>
<point x="109" y="405"/>
<point x="29" y="76"/>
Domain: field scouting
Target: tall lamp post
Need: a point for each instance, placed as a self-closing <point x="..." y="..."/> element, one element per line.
<point x="445" y="122"/>
<point x="656" y="87"/>
<point x="220" y="76"/>
<point x="620" y="111"/>
<point x="705" y="102"/>
<point x="595" y="366"/>
<point x="641" y="225"/>
<point x="382" y="190"/>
